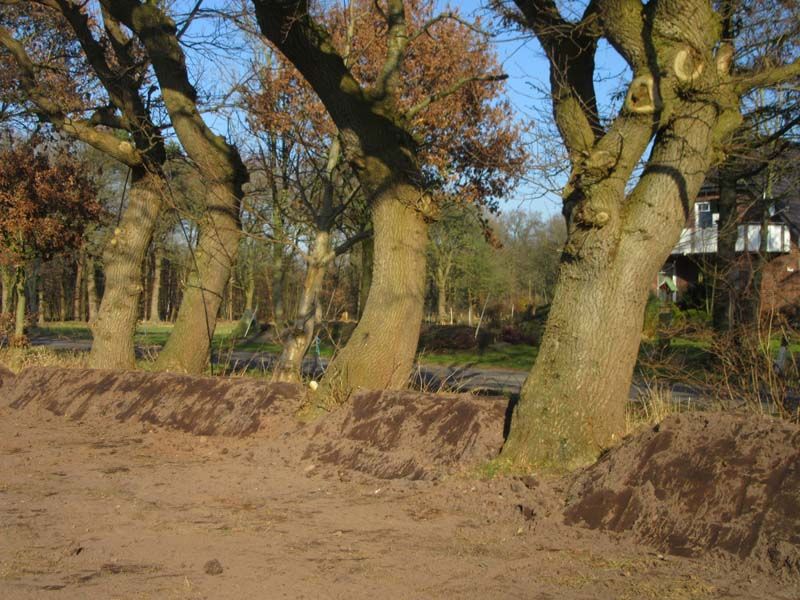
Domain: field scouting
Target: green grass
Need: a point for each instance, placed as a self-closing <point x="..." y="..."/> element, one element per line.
<point x="689" y="354"/>
<point x="497" y="356"/>
<point x="147" y="334"/>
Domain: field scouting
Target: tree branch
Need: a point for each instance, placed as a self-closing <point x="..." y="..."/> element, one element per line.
<point x="189" y="19"/>
<point x="346" y="245"/>
<point x="397" y="35"/>
<point x="444" y="17"/>
<point x="48" y="110"/>
<point x="570" y="49"/>
<point x="769" y="77"/>
<point x="426" y="102"/>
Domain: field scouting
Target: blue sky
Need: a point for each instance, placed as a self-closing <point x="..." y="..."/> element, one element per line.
<point x="523" y="61"/>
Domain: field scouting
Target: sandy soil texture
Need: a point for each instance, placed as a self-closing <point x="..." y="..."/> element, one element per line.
<point x="95" y="508"/>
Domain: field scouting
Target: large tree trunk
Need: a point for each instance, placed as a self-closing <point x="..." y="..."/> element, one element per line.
<point x="380" y="352"/>
<point x="298" y="339"/>
<point x="91" y="289"/>
<point x="572" y="405"/>
<point x="124" y="255"/>
<point x="188" y="348"/>
<point x="155" y="296"/>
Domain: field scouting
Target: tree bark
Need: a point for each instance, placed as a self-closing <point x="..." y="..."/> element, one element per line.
<point x="77" y="292"/>
<point x="299" y="338"/>
<point x="188" y="347"/>
<point x="62" y="296"/>
<point x="367" y="260"/>
<point x="250" y="291"/>
<point x="380" y="352"/>
<point x="726" y="296"/>
<point x="91" y="289"/>
<point x="441" y="277"/>
<point x="7" y="280"/>
<point x="572" y="405"/>
<point x="155" y="295"/>
<point x="19" y="320"/>
<point x="114" y="329"/>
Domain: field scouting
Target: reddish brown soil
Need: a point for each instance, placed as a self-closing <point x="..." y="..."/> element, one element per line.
<point x="702" y="482"/>
<point x="99" y="508"/>
<point x="396" y="435"/>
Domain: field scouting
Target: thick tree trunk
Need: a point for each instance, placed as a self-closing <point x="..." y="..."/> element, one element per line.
<point x="77" y="293"/>
<point x="155" y="295"/>
<point x="572" y="405"/>
<point x="91" y="289"/>
<point x="188" y="348"/>
<point x="124" y="255"/>
<point x="19" y="320"/>
<point x="298" y="339"/>
<point x="381" y="350"/>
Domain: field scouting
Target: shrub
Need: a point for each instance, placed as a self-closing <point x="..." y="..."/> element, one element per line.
<point x="435" y="338"/>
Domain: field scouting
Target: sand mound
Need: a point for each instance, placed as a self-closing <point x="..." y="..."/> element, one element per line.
<point x="199" y="405"/>
<point x="6" y="381"/>
<point x="701" y="482"/>
<point x="409" y="434"/>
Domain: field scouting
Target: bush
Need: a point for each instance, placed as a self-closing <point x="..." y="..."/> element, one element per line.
<point x="435" y="338"/>
<point x="522" y="333"/>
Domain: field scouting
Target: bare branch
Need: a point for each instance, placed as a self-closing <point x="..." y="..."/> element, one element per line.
<point x="48" y="110"/>
<point x="769" y="77"/>
<point x="451" y="16"/>
<point x="189" y="19"/>
<point x="458" y="85"/>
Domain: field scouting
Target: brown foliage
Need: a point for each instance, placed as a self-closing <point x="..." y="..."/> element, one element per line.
<point x="467" y="140"/>
<point x="46" y="201"/>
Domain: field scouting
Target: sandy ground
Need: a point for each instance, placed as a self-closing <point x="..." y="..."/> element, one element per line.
<point x="109" y="510"/>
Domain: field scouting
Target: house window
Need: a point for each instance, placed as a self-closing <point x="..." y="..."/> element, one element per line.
<point x="705" y="218"/>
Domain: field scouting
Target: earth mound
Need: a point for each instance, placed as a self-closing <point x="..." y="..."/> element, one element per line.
<point x="6" y="380"/>
<point x="701" y="482"/>
<point x="397" y="434"/>
<point x="199" y="405"/>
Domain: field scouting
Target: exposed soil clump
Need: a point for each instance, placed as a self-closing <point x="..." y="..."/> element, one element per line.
<point x="701" y="482"/>
<point x="198" y="405"/>
<point x="410" y="435"/>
